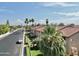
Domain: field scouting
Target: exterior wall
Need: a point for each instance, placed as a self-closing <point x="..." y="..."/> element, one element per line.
<point x="67" y="45"/>
<point x="75" y="40"/>
<point x="72" y="41"/>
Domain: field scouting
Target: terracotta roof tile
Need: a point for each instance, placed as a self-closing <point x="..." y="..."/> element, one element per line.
<point x="39" y="28"/>
<point x="66" y="30"/>
<point x="60" y="27"/>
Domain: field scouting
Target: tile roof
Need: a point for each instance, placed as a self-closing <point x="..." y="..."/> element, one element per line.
<point x="66" y="30"/>
<point x="39" y="28"/>
<point x="60" y="27"/>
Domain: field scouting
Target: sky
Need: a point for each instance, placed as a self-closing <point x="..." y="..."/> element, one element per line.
<point x="55" y="12"/>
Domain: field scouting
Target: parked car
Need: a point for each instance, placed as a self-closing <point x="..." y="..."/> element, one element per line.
<point x="19" y="42"/>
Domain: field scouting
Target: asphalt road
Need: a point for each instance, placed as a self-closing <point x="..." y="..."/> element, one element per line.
<point x="8" y="46"/>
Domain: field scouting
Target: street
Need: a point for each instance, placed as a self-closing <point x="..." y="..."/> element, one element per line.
<point x="8" y="46"/>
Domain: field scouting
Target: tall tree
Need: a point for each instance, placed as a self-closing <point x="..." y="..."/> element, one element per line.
<point x="61" y="24"/>
<point x="26" y="21"/>
<point x="32" y="21"/>
<point x="7" y="22"/>
<point x="47" y="21"/>
<point x="72" y="25"/>
<point x="8" y="25"/>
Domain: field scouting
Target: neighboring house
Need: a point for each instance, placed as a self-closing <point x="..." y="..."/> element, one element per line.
<point x="69" y="33"/>
<point x="71" y="36"/>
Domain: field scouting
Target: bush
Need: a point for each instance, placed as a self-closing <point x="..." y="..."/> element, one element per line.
<point x="4" y="29"/>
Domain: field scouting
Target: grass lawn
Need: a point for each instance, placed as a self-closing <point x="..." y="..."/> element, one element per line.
<point x="35" y="52"/>
<point x="27" y="47"/>
<point x="32" y="52"/>
<point x="27" y="51"/>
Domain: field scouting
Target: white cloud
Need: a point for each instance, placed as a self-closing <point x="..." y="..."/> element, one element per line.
<point x="63" y="4"/>
<point x="6" y="10"/>
<point x="71" y="17"/>
<point x="68" y="13"/>
<point x="41" y="21"/>
<point x="20" y="21"/>
<point x="74" y="20"/>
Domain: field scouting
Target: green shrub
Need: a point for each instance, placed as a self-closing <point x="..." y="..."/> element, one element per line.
<point x="4" y="29"/>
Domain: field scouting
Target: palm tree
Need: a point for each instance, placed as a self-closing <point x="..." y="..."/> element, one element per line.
<point x="47" y="22"/>
<point x="8" y="25"/>
<point x="26" y="21"/>
<point x="32" y="20"/>
<point x="52" y="42"/>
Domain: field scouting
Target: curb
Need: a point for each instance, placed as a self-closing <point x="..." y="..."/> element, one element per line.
<point x="4" y="35"/>
<point x="22" y="54"/>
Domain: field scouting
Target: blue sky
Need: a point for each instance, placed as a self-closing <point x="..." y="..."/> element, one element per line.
<point x="56" y="12"/>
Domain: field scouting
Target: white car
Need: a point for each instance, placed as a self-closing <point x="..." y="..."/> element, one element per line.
<point x="19" y="41"/>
